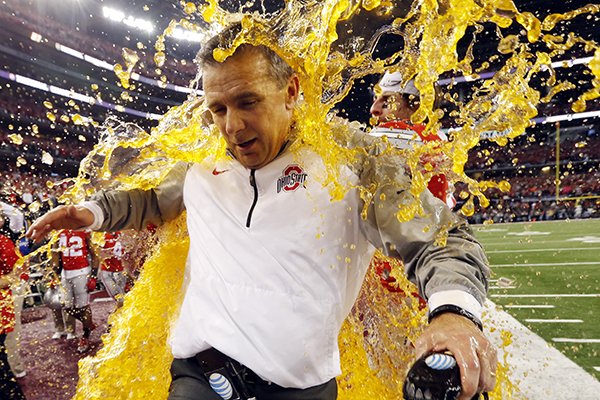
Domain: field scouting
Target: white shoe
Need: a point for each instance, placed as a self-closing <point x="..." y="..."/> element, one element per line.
<point x="57" y="335"/>
<point x="71" y="336"/>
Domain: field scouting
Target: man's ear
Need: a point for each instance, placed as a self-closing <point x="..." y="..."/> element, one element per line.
<point x="292" y="93"/>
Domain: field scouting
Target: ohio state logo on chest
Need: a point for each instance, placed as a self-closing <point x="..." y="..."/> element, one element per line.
<point x="292" y="177"/>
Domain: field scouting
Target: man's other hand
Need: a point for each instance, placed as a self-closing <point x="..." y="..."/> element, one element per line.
<point x="475" y="355"/>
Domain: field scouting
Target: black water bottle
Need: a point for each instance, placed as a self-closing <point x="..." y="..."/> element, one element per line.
<point x="433" y="377"/>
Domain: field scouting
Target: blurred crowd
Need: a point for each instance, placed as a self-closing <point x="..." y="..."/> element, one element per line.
<point x="543" y="186"/>
<point x="30" y="192"/>
<point x="32" y="148"/>
<point x="516" y="210"/>
<point x="25" y="104"/>
<point x="534" y="198"/>
<point x="529" y="150"/>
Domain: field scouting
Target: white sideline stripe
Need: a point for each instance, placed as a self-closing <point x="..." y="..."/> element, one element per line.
<point x="529" y="233"/>
<point x="574" y="340"/>
<point x="555" y="321"/>
<point x="503" y="287"/>
<point x="571" y="264"/>
<point x="538" y="370"/>
<point x="548" y="295"/>
<point x="505" y="243"/>
<point x="597" y="368"/>
<point x="555" y="221"/>
<point x="542" y="250"/>
<point x="529" y="306"/>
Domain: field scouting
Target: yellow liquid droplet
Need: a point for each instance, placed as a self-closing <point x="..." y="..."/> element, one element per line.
<point x="47" y="158"/>
<point x="468" y="209"/>
<point x="77" y="119"/>
<point x="15" y="138"/>
<point x="504" y="186"/>
<point x="189" y="8"/>
<point x="34" y="207"/>
<point x="159" y="58"/>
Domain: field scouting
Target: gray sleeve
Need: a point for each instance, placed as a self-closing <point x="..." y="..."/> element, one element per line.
<point x="460" y="264"/>
<point x="136" y="208"/>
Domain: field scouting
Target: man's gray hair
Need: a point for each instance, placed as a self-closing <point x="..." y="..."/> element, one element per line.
<point x="279" y="69"/>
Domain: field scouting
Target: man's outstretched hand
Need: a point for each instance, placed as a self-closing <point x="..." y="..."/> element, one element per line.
<point x="475" y="355"/>
<point x="62" y="217"/>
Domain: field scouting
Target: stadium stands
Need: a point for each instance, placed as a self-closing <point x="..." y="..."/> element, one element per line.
<point x="529" y="163"/>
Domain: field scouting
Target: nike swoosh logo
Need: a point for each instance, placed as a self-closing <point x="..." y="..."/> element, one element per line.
<point x="215" y="172"/>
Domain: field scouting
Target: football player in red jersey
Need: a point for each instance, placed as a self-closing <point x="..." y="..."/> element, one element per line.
<point x="112" y="273"/>
<point x="76" y="261"/>
<point x="394" y="104"/>
<point x="9" y="388"/>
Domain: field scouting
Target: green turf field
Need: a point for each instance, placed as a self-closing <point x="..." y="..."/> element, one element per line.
<point x="550" y="271"/>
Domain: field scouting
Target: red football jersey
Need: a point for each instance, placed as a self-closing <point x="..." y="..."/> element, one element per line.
<point x="112" y="243"/>
<point x="8" y="258"/>
<point x="73" y="250"/>
<point x="438" y="184"/>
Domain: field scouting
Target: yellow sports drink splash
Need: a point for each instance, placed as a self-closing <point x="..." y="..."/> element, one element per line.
<point x="330" y="45"/>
